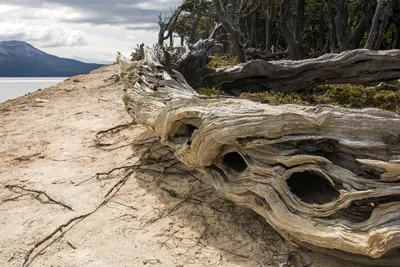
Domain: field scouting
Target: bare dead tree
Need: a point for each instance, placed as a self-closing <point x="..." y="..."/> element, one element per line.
<point x="216" y="27"/>
<point x="231" y="15"/>
<point x="167" y="25"/>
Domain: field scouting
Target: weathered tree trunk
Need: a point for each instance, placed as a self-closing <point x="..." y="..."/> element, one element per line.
<point x="196" y="20"/>
<point x="269" y="18"/>
<point x="167" y="24"/>
<point x="396" y="19"/>
<point x="292" y="27"/>
<point x="190" y="60"/>
<point x="378" y="25"/>
<point x="332" y="29"/>
<point x="341" y="24"/>
<point x="322" y="40"/>
<point x="252" y="53"/>
<point x="353" y="67"/>
<point x="225" y="18"/>
<point x="253" y="30"/>
<point x="326" y="178"/>
<point x="363" y="25"/>
<point x="298" y="25"/>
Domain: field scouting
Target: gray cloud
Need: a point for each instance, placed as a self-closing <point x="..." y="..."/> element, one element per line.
<point x="146" y="27"/>
<point x="118" y="12"/>
<point x="43" y="35"/>
<point x="88" y="30"/>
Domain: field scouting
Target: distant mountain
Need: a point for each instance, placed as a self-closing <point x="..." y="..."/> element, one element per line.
<point x="20" y="59"/>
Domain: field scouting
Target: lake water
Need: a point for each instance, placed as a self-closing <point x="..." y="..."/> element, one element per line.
<point x="14" y="87"/>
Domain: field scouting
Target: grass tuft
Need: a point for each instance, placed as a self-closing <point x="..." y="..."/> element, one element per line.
<point x="343" y="95"/>
<point x="222" y="61"/>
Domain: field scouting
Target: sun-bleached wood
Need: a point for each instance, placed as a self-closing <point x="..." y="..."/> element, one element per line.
<point x="324" y="177"/>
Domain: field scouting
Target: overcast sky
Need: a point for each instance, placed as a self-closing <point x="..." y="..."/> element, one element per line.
<point x="86" y="30"/>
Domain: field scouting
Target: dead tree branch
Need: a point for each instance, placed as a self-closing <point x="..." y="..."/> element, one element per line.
<point x="167" y="24"/>
<point x="110" y="131"/>
<point x="385" y="86"/>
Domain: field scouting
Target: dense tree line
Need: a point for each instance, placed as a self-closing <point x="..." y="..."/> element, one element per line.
<point x="294" y="29"/>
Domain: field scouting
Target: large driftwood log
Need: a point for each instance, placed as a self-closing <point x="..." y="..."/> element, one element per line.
<point x="352" y="67"/>
<point x="324" y="177"/>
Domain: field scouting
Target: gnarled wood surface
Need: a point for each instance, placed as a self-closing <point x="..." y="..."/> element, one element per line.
<point x="324" y="177"/>
<point x="353" y="67"/>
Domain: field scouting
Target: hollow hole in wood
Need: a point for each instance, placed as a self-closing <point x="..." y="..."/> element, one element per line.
<point x="234" y="161"/>
<point x="186" y="130"/>
<point x="361" y="210"/>
<point x="189" y="129"/>
<point x="393" y="254"/>
<point x="312" y="188"/>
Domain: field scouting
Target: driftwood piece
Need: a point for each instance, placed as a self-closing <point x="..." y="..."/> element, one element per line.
<point x="351" y="67"/>
<point x="385" y="86"/>
<point x="324" y="177"/>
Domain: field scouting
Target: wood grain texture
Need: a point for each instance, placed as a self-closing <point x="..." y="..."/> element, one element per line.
<point x="351" y="67"/>
<point x="324" y="177"/>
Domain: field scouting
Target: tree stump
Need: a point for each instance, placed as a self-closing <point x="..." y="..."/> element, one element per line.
<point x="326" y="178"/>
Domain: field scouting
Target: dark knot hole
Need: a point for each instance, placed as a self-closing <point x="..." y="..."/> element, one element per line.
<point x="188" y="130"/>
<point x="185" y="130"/>
<point x="235" y="161"/>
<point x="312" y="188"/>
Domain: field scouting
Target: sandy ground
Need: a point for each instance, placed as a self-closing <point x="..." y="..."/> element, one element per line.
<point x="58" y="208"/>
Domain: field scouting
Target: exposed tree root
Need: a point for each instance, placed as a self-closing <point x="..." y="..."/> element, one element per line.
<point x="106" y="175"/>
<point x="28" y="260"/>
<point x="73" y="158"/>
<point x="29" y="257"/>
<point x="139" y="143"/>
<point x="14" y="198"/>
<point x="37" y="194"/>
<point x="111" y="193"/>
<point x="112" y="130"/>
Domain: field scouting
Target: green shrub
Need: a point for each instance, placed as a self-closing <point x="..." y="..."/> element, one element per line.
<point x="222" y="61"/>
<point x="343" y="95"/>
<point x="213" y="91"/>
<point x="353" y="96"/>
<point x="275" y="98"/>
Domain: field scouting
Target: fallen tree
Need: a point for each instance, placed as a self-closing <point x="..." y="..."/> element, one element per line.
<point x="324" y="177"/>
<point x="358" y="66"/>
